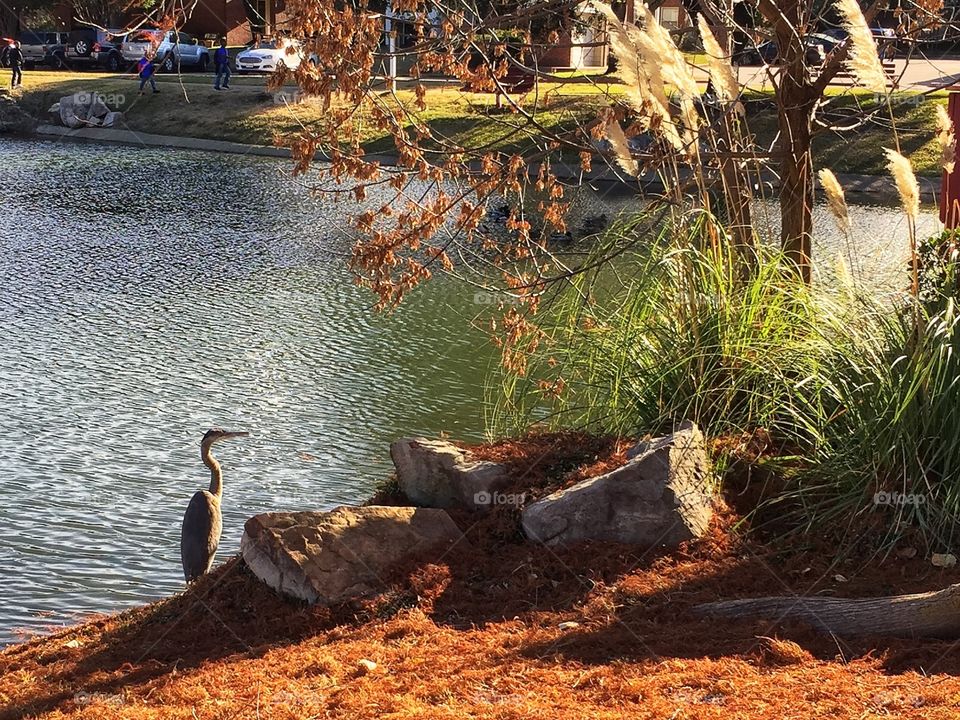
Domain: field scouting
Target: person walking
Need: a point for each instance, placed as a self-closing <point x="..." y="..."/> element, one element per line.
<point x="146" y="70"/>
<point x="221" y="61"/>
<point x="15" y="58"/>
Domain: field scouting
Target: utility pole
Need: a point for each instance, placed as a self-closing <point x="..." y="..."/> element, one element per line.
<point x="391" y="49"/>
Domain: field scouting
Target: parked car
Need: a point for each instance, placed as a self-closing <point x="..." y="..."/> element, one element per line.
<point x="92" y="47"/>
<point x="178" y="50"/>
<point x="41" y="47"/>
<point x="137" y="42"/>
<point x="5" y="44"/>
<point x="267" y="55"/>
<point x="767" y="53"/>
<point x="886" y="39"/>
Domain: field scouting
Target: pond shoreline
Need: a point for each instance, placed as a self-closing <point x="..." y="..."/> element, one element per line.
<point x="875" y="188"/>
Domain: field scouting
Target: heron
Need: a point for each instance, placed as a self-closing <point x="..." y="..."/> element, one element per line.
<point x="202" y="523"/>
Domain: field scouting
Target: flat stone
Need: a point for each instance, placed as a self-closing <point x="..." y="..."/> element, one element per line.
<point x="346" y="553"/>
<point x="436" y="473"/>
<point x="660" y="497"/>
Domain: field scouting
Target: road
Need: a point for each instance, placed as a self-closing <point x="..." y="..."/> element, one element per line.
<point x="915" y="75"/>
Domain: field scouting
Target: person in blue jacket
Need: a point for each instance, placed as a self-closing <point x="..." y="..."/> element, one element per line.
<point x="146" y="70"/>
<point x="221" y="61"/>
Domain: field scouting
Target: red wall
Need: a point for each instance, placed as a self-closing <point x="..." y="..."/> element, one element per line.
<point x="221" y="17"/>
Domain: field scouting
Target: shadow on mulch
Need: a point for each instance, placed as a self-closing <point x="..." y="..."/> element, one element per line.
<point x="629" y="605"/>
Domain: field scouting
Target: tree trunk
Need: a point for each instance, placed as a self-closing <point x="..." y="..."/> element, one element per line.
<point x="796" y="176"/>
<point x="932" y="614"/>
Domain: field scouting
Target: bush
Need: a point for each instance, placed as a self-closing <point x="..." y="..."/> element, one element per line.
<point x="859" y="397"/>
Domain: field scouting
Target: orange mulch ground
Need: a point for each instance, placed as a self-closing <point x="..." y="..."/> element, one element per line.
<point x="501" y="629"/>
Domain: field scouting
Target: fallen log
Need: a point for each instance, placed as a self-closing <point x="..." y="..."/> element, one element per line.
<point x="932" y="614"/>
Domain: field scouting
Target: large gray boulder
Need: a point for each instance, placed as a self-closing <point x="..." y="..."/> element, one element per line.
<point x="660" y="497"/>
<point x="332" y="557"/>
<point x="82" y="110"/>
<point x="436" y="473"/>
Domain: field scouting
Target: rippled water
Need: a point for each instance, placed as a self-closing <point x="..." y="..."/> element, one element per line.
<point x="146" y="295"/>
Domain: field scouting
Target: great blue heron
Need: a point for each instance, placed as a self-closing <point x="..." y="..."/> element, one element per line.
<point x="202" y="523"/>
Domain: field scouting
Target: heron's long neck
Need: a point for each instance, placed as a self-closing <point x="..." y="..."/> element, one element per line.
<point x="216" y="476"/>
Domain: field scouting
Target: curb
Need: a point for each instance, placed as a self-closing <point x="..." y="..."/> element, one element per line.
<point x="130" y="137"/>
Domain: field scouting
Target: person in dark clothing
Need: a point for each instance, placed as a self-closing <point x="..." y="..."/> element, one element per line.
<point x="221" y="61"/>
<point x="15" y="58"/>
<point x="146" y="70"/>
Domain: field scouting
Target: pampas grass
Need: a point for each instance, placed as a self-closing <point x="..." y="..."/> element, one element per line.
<point x="648" y="62"/>
<point x="836" y="202"/>
<point x="907" y="186"/>
<point x="620" y="147"/>
<point x="909" y="191"/>
<point x="718" y="65"/>
<point x="947" y="138"/>
<point x="862" y="56"/>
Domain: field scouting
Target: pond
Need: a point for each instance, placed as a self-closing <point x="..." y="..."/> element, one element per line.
<point x="147" y="295"/>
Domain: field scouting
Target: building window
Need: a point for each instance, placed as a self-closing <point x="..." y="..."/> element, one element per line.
<point x="670" y="17"/>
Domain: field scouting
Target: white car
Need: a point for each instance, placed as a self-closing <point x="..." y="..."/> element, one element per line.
<point x="267" y="55"/>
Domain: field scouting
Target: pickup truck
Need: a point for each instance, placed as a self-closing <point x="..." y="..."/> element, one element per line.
<point x="178" y="49"/>
<point x="43" y="47"/>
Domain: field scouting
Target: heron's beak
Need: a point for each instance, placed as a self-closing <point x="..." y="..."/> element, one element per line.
<point x="231" y="435"/>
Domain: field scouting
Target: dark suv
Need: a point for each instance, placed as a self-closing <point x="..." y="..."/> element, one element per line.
<point x="42" y="47"/>
<point x="94" y="48"/>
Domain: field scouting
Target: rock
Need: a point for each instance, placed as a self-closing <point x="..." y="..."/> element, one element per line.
<point x="82" y="109"/>
<point x="332" y="557"/>
<point x="660" y="497"/>
<point x="943" y="560"/>
<point x="366" y="666"/>
<point x="436" y="473"/>
<point x="112" y="119"/>
<point x="568" y="625"/>
<point x="13" y="118"/>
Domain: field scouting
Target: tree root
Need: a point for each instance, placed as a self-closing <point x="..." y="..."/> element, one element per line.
<point x="931" y="614"/>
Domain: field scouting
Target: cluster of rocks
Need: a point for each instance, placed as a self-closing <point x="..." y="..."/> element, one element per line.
<point x="84" y="110"/>
<point x="13" y="118"/>
<point x="660" y="497"/>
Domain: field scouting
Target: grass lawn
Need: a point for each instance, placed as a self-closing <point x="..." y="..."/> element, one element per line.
<point x="248" y="112"/>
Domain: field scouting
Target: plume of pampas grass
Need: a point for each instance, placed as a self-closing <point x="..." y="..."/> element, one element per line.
<point x="835" y="199"/>
<point x="661" y="49"/>
<point x="947" y="138"/>
<point x="718" y="65"/>
<point x="620" y="147"/>
<point x="649" y="61"/>
<point x="907" y="185"/>
<point x="862" y="56"/>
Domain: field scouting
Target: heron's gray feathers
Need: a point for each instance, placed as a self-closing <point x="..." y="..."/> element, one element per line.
<point x="200" y="534"/>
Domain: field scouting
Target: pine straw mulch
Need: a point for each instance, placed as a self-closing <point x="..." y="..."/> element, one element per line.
<point x="501" y="629"/>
